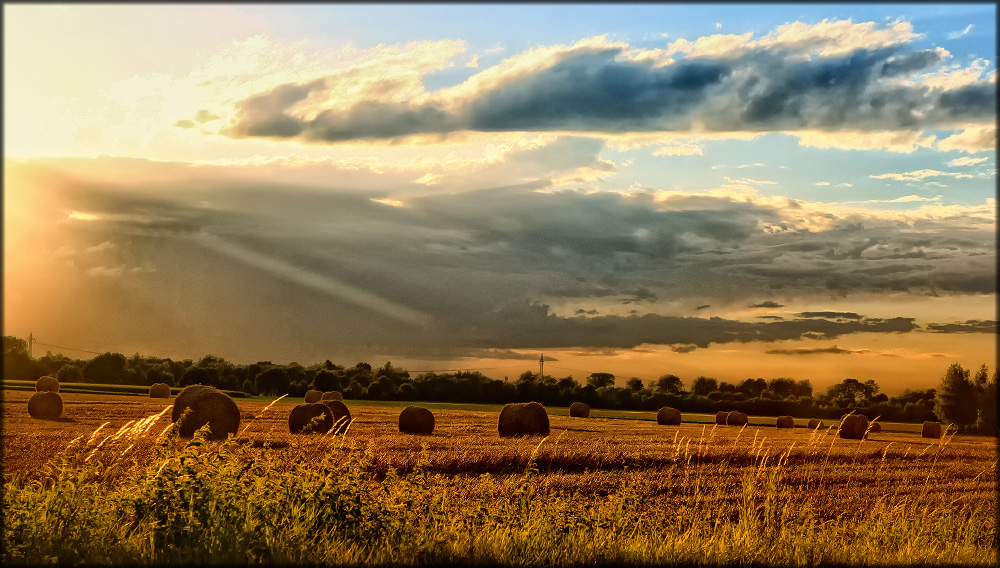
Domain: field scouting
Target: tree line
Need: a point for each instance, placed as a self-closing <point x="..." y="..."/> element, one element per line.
<point x="968" y="401"/>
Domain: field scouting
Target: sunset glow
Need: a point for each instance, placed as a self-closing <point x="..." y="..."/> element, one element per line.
<point x="804" y="191"/>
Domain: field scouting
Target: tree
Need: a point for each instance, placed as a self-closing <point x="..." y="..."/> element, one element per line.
<point x="704" y="385"/>
<point x="271" y="381"/>
<point x="752" y="387"/>
<point x="634" y="384"/>
<point x="804" y="388"/>
<point x="598" y="380"/>
<point x="568" y="383"/>
<point x="987" y="400"/>
<point x="198" y="376"/>
<point x="326" y="380"/>
<point x="70" y="374"/>
<point x="957" y="399"/>
<point x="670" y="384"/>
<point x="848" y="392"/>
<point x="13" y="346"/>
<point x="106" y="368"/>
<point x="781" y="387"/>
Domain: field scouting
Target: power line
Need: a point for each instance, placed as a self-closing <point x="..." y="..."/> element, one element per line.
<point x="568" y="369"/>
<point x="70" y="348"/>
<point x="465" y="369"/>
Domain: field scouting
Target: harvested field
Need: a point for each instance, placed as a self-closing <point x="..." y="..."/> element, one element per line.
<point x="590" y="457"/>
<point x="595" y="475"/>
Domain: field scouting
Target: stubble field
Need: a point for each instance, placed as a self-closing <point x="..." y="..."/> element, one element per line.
<point x="596" y="490"/>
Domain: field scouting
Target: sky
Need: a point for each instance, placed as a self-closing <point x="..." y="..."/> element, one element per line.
<point x="733" y="191"/>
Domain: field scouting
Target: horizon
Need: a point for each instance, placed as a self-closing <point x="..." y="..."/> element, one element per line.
<point x="796" y="190"/>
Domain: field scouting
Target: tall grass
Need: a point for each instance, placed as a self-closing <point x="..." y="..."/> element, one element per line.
<point x="322" y="499"/>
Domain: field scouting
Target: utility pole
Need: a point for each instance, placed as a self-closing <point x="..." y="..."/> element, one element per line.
<point x="541" y="365"/>
<point x="31" y="339"/>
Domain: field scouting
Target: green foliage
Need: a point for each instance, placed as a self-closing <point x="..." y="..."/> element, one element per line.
<point x="14" y="347"/>
<point x="957" y="399"/>
<point x="272" y="381"/>
<point x="987" y="388"/>
<point x="326" y="380"/>
<point x="70" y="374"/>
<point x="108" y="368"/>
<point x="707" y="395"/>
<point x="704" y="385"/>
<point x="670" y="384"/>
<point x="634" y="384"/>
<point x="198" y="376"/>
<point x="599" y="380"/>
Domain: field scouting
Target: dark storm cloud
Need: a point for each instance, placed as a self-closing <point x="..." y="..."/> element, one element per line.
<point x="594" y="91"/>
<point x="703" y="307"/>
<point x="481" y="265"/>
<point x="910" y="63"/>
<point x="591" y="89"/>
<point x="523" y="323"/>
<point x="971" y="102"/>
<point x="830" y="315"/>
<point x="767" y="304"/>
<point x="970" y="326"/>
<point x="815" y="351"/>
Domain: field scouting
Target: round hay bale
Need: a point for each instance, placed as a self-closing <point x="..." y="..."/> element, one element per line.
<point x="668" y="416"/>
<point x="416" y="420"/>
<point x="874" y="428"/>
<point x="332" y="395"/>
<point x="523" y="419"/>
<point x="579" y="410"/>
<point x="45" y="404"/>
<point x="815" y="423"/>
<point x="313" y="396"/>
<point x="854" y="427"/>
<point x="300" y="419"/>
<point x="785" y="422"/>
<point x="47" y="383"/>
<point x="207" y="405"/>
<point x="930" y="430"/>
<point x="159" y="390"/>
<point x="341" y="415"/>
<point x="720" y="417"/>
<point x="737" y="418"/>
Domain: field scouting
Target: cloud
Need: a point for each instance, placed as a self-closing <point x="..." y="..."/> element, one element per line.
<point x="970" y="326"/>
<point x="321" y="282"/>
<point x="702" y="307"/>
<point x="533" y="323"/>
<point x="920" y="174"/>
<point x="966" y="161"/>
<point x="976" y="138"/>
<point x="748" y="181"/>
<point x="816" y="351"/>
<point x="958" y="34"/>
<point x="902" y="141"/>
<point x="905" y="199"/>
<point x="104" y="246"/>
<point x="822" y="183"/>
<point x="106" y="272"/>
<point x="831" y="315"/>
<point x="680" y="149"/>
<point x="833" y="76"/>
<point x="310" y="268"/>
